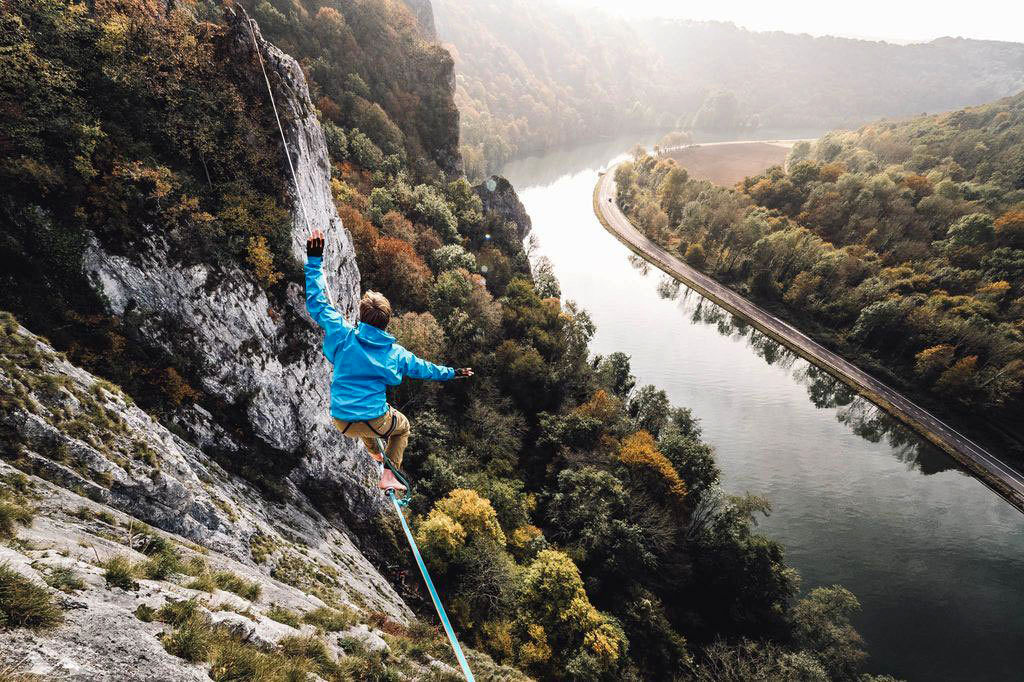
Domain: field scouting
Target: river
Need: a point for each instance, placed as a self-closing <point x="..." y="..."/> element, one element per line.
<point x="936" y="559"/>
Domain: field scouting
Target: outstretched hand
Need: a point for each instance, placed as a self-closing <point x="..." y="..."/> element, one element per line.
<point x="463" y="372"/>
<point x="315" y="245"/>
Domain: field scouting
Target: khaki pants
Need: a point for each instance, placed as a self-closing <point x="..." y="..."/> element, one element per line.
<point x="392" y="426"/>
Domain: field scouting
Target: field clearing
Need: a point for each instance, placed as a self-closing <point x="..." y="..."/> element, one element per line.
<point x="727" y="164"/>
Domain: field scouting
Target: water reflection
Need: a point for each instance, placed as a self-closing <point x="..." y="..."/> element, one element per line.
<point x="935" y="560"/>
<point x="824" y="390"/>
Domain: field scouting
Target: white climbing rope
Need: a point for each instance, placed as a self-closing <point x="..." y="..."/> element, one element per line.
<point x="284" y="141"/>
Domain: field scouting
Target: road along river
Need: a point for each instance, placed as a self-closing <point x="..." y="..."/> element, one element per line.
<point x="935" y="557"/>
<point x="997" y="474"/>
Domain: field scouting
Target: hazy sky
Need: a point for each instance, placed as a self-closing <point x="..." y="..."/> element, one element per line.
<point x="896" y="20"/>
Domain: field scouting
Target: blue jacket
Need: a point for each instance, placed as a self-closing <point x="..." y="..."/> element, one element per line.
<point x="366" y="359"/>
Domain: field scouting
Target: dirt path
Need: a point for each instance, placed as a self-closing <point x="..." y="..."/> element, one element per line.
<point x="996" y="474"/>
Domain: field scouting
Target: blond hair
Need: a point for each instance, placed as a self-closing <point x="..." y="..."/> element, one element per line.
<point x="375" y="309"/>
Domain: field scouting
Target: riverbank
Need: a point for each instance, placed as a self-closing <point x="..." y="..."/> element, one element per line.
<point x="999" y="476"/>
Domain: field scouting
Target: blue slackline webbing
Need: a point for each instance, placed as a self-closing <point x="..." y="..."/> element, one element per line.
<point x="433" y="593"/>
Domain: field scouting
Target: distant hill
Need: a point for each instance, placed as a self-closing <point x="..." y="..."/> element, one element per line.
<point x="786" y="80"/>
<point x="533" y="75"/>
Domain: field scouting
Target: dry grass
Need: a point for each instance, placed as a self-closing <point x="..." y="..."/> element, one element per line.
<point x="23" y="603"/>
<point x="727" y="164"/>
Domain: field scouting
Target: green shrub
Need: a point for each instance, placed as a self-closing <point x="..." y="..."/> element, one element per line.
<point x="283" y="615"/>
<point x="119" y="571"/>
<point x="24" y="603"/>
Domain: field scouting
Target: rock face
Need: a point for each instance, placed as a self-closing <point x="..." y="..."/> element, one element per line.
<point x="259" y="357"/>
<point x="104" y="479"/>
<point x="93" y="445"/>
<point x="424" y="13"/>
<point x="498" y="196"/>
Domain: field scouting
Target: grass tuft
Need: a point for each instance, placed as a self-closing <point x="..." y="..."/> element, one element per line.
<point x="162" y="565"/>
<point x="145" y="613"/>
<point x="13" y="513"/>
<point x="229" y="581"/>
<point x="176" y="611"/>
<point x="64" y="579"/>
<point x="191" y="640"/>
<point x="330" y="620"/>
<point x="120" y="572"/>
<point x="23" y="603"/>
<point x="283" y="615"/>
<point x="311" y="650"/>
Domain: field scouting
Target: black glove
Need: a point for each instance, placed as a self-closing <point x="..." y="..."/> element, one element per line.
<point x="315" y="245"/>
<point x="463" y="372"/>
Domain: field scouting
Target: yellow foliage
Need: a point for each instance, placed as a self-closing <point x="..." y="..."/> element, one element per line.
<point x="552" y="582"/>
<point x="803" y="285"/>
<point x="959" y="376"/>
<point x="497" y="639"/>
<point x="522" y="537"/>
<point x="601" y="406"/>
<point x="1010" y="227"/>
<point x="760" y="189"/>
<point x="474" y="513"/>
<point x="640" y="452"/>
<point x="439" y="537"/>
<point x="830" y="172"/>
<point x="933" y="359"/>
<point x="582" y="614"/>
<point x="606" y="642"/>
<point x="555" y="596"/>
<point x="420" y="334"/>
<point x="176" y="388"/>
<point x="341" y="191"/>
<point x="536" y="650"/>
<point x="262" y="262"/>
<point x="994" y="290"/>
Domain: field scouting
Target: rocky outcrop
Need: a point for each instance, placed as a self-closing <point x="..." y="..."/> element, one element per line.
<point x="258" y="359"/>
<point x="498" y="196"/>
<point x="424" y="13"/>
<point x="95" y="447"/>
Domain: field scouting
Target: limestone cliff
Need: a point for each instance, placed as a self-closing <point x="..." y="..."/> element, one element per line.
<point x="259" y="358"/>
<point x="105" y="481"/>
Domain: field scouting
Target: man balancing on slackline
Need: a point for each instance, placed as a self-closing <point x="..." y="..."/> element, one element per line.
<point x="366" y="361"/>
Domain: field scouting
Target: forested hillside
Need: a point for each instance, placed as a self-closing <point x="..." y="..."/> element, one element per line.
<point x="532" y="76"/>
<point x="900" y="244"/>
<point x="751" y="79"/>
<point x="573" y="520"/>
<point x="535" y="74"/>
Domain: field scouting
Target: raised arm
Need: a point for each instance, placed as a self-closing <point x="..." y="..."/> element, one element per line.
<point x="320" y="309"/>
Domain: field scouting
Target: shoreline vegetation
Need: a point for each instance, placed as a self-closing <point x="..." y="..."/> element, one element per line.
<point x="895" y="246"/>
<point x="685" y="275"/>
